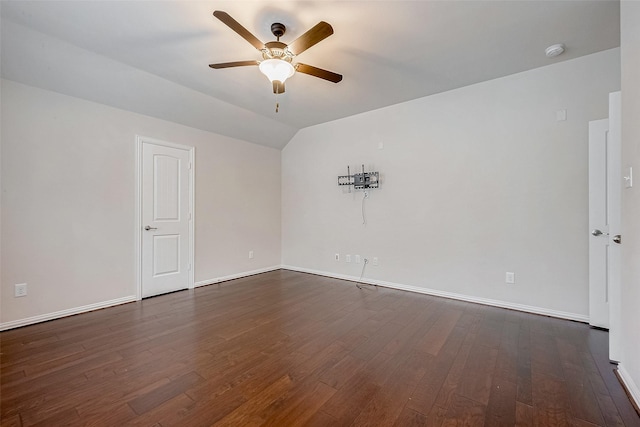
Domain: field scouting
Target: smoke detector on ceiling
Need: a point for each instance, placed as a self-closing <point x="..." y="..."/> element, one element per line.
<point x="554" y="50"/>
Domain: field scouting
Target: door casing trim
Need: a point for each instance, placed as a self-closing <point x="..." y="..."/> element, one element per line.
<point x="140" y="140"/>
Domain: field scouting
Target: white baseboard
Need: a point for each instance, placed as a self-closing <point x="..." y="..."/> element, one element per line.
<point x="64" y="313"/>
<point x="236" y="276"/>
<point x="77" y="310"/>
<point x="631" y="385"/>
<point x="496" y="303"/>
<point x="451" y="295"/>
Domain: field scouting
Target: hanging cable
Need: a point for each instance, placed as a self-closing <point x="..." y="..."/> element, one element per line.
<point x="359" y="283"/>
<point x="365" y="196"/>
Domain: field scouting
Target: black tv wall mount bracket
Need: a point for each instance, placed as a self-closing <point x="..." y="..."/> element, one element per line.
<point x="360" y="181"/>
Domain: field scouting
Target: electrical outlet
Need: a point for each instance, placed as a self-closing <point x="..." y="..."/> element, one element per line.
<point x="347" y="258"/>
<point x="357" y="259"/>
<point x="250" y="254"/>
<point x="375" y="261"/>
<point x="21" y="290"/>
<point x="337" y="257"/>
<point x="510" y="277"/>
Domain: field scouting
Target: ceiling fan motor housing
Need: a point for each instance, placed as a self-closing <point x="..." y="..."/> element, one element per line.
<point x="276" y="50"/>
<point x="278" y="29"/>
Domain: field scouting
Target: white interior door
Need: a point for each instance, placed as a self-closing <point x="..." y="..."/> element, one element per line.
<point x="598" y="225"/>
<point x="605" y="188"/>
<point x="166" y="218"/>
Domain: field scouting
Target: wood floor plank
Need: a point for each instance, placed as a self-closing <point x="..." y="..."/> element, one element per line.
<point x="450" y="385"/>
<point x="544" y="355"/>
<point x="222" y="395"/>
<point x="464" y="412"/>
<point x="337" y="375"/>
<point x="111" y="415"/>
<point x="384" y="407"/>
<point x="550" y="401"/>
<point x="523" y="366"/>
<point x="427" y="390"/>
<point x="507" y="362"/>
<point x="524" y="415"/>
<point x="300" y="405"/>
<point x="11" y="421"/>
<point x="24" y="400"/>
<point x="346" y="404"/>
<point x="435" y="338"/>
<point x="411" y="418"/>
<point x="318" y="363"/>
<point x="436" y="416"/>
<point x="288" y="348"/>
<point x="154" y="398"/>
<point x="415" y="327"/>
<point x="129" y="385"/>
<point x="321" y="419"/>
<point x="168" y="412"/>
<point x="67" y="416"/>
<point x="253" y="412"/>
<point x="584" y="404"/>
<point x="377" y="341"/>
<point x="490" y="330"/>
<point x="478" y="373"/>
<point x="501" y="409"/>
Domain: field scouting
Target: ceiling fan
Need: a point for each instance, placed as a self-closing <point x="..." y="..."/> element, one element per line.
<point x="277" y="56"/>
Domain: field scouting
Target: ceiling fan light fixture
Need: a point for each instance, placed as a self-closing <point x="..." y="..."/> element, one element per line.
<point x="277" y="69"/>
<point x="278" y="55"/>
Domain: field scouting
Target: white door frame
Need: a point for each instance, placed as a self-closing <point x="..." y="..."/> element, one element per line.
<point x="615" y="194"/>
<point x="599" y="208"/>
<point x="140" y="140"/>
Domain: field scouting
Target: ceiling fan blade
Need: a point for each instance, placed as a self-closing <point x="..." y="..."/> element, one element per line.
<point x="233" y="64"/>
<point x="235" y="26"/>
<point x="321" y="31"/>
<point x="318" y="72"/>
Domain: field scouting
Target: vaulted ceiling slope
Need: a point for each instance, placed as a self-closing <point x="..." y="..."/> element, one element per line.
<point x="152" y="57"/>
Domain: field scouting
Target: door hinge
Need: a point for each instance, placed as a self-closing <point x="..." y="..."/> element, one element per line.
<point x="189" y="267"/>
<point x="189" y="165"/>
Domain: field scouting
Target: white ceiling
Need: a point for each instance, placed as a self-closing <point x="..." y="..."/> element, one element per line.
<point x="387" y="51"/>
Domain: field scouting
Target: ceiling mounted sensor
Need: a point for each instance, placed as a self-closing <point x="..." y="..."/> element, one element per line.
<point x="277" y="57"/>
<point x="554" y="50"/>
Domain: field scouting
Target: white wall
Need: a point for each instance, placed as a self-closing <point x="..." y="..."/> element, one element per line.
<point x="42" y="61"/>
<point x="630" y="58"/>
<point x="476" y="182"/>
<point x="68" y="200"/>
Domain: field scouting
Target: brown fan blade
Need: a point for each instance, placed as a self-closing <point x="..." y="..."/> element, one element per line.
<point x="233" y="64"/>
<point x="235" y="26"/>
<point x="318" y="72"/>
<point x="321" y="31"/>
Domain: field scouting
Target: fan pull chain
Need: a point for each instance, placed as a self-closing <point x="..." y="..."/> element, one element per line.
<point x="277" y="103"/>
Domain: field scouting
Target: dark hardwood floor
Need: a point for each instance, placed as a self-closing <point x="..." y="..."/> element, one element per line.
<point x="286" y="348"/>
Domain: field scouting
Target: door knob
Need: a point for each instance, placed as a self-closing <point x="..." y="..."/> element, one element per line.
<point x="617" y="239"/>
<point x="596" y="232"/>
<point x="150" y="228"/>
